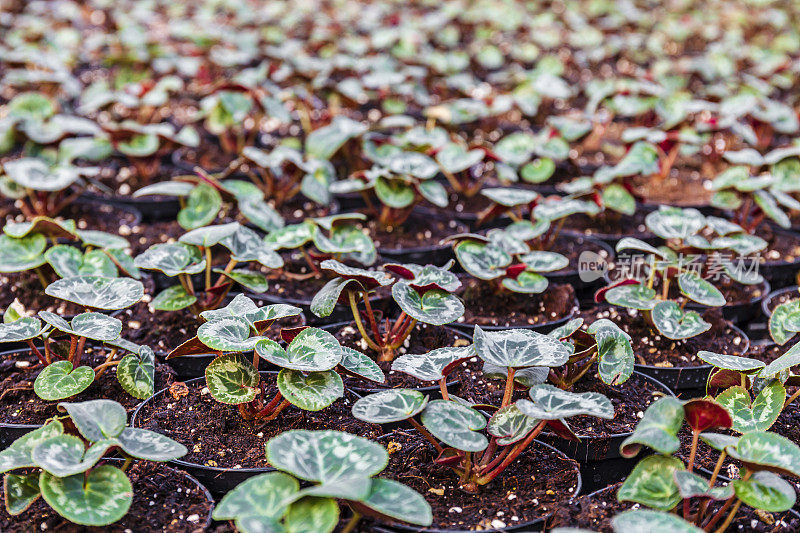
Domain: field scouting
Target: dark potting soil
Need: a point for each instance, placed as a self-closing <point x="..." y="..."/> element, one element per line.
<point x="423" y="338"/>
<point x="651" y="348"/>
<point x="572" y="246"/>
<point x="609" y="223"/>
<point x="22" y="406"/>
<point x="216" y="435"/>
<point x="164" y="331"/>
<point x="781" y="247"/>
<point x="26" y="287"/>
<point x="486" y="305"/>
<point x="529" y="489"/>
<point x="595" y="511"/>
<point x="418" y="231"/>
<point x="768" y="352"/>
<point x="92" y="215"/>
<point x="782" y="298"/>
<point x="164" y="499"/>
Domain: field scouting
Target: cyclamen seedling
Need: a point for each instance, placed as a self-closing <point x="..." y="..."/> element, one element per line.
<point x="62" y="463"/>
<point x="423" y="294"/>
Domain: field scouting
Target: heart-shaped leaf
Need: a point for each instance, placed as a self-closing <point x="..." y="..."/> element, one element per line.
<point x="95" y="326"/>
<point x="312" y="350"/>
<point x="59" y="380"/>
<point x="778" y="329"/>
<point x="731" y="362"/>
<point x="20" y="491"/>
<point x="265" y="495"/>
<point x="22" y="254"/>
<point x="482" y="260"/>
<point x="231" y="379"/>
<point x="551" y="403"/>
<point x="674" y="222"/>
<point x="658" y="429"/>
<point x="540" y="261"/>
<point x="784" y="362"/>
<point x="66" y="455"/>
<point x="396" y="501"/>
<point x="97" y="419"/>
<point x="136" y="373"/>
<point x="310" y="391"/>
<point x="652" y="483"/>
<point x="149" y="445"/>
<point x="326" y="456"/>
<point x="251" y="280"/>
<point x="19" y="453"/>
<point x="641" y="521"/>
<point x="509" y="197"/>
<point x="99" y="499"/>
<point x="209" y="235"/>
<point x="634" y="296"/>
<point x="690" y="485"/>
<point x="614" y="352"/>
<point x="758" y="415"/>
<point x="456" y="425"/>
<point x="49" y="227"/>
<point x="674" y="323"/>
<point x="20" y="330"/>
<point x="227" y="334"/>
<point x="510" y="425"/>
<point x="174" y="298"/>
<point x="323" y="142"/>
<point x="361" y="365"/>
<point x="703" y="414"/>
<point x="246" y="245"/>
<point x="33" y="173"/>
<point x="291" y="236"/>
<point x="526" y="282"/>
<point x="433" y="365"/>
<point x="701" y="291"/>
<point x="97" y="292"/>
<point x="767" y="491"/>
<point x="394" y="193"/>
<point x="393" y="405"/>
<point x="519" y="348"/>
<point x="68" y="261"/>
<point x="172" y="259"/>
<point x="202" y="205"/>
<point x="760" y="450"/>
<point x="435" y="307"/>
<point x="261" y="214"/>
<point x="245" y="308"/>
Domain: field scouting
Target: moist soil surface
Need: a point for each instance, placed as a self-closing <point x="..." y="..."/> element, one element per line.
<point x="164" y="499"/>
<point x="651" y="348"/>
<point x="418" y="231"/>
<point x="610" y="224"/>
<point x="782" y="246"/>
<point x="216" y="435"/>
<point x="778" y="299"/>
<point x="595" y="511"/>
<point x="22" y="406"/>
<point x="486" y="305"/>
<point x="572" y="246"/>
<point x="423" y="339"/>
<point x="527" y="490"/>
<point x="88" y="215"/>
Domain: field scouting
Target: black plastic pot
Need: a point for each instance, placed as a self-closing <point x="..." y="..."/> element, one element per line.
<point x="469" y="219"/>
<point x="533" y="525"/>
<point x="544" y="327"/>
<point x="599" y="457"/>
<point x="613" y="238"/>
<point x="90" y="200"/>
<point x="766" y="302"/>
<point x="152" y="208"/>
<point x="11" y="432"/>
<point x="340" y="312"/>
<point x="686" y="382"/>
<point x="218" y="480"/>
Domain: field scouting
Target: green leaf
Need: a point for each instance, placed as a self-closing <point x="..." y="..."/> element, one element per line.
<point x="100" y="499"/>
<point x="202" y="206"/>
<point x="209" y="235"/>
<point x="361" y="365"/>
<point x="246" y="245"/>
<point x="617" y="198"/>
<point x="614" y="352"/>
<point x="393" y="405"/>
<point x="174" y="298"/>
<point x="760" y="450"/>
<point x="312" y="515"/>
<point x="311" y="391"/>
<point x="690" y="485"/>
<point x="652" y="483"/>
<point x="658" y="428"/>
<point x="645" y="521"/>
<point x="541" y="261"/>
<point x="136" y="373"/>
<point x="526" y="282"/>
<point x="97" y="419"/>
<point x="434" y="365"/>
<point x="59" y="380"/>
<point x="265" y="495"/>
<point x="66" y="455"/>
<point x="315" y="183"/>
<point x="325" y="300"/>
<point x="510" y="425"/>
<point x="165" y="188"/>
<point x="434" y="192"/>
<point x="393" y="499"/>
<point x="758" y="415"/>
<point x="18" y="454"/>
<point x="701" y="291"/>
<point x="731" y="362"/>
<point x="254" y="281"/>
<point x="172" y="259"/>
<point x="22" y="254"/>
<point x="326" y="456"/>
<point x="312" y="350"/>
<point x="767" y="491"/>
<point x="455" y="158"/>
<point x="675" y="222"/>
<point x="95" y="326"/>
<point x="674" y="323"/>
<point x="149" y="445"/>
<point x="637" y="296"/>
<point x="141" y="145"/>
<point x="227" y="334"/>
<point x="482" y="260"/>
<point x="538" y="170"/>
<point x="435" y="306"/>
<point x="261" y="214"/>
<point x="20" y="330"/>
<point x="394" y="193"/>
<point x="784" y="362"/>
<point x="769" y="206"/>
<point x="97" y="292"/>
<point x="551" y="403"/>
<point x="777" y="321"/>
<point x="20" y="491"/>
<point x="456" y="425"/>
<point x="322" y="143"/>
<point x="231" y="379"/>
<point x="35" y="174"/>
<point x="519" y="348"/>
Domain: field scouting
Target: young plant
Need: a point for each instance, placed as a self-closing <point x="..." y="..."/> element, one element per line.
<point x="504" y="257"/>
<point x="547" y="215"/>
<point x="393" y="188"/>
<point x="338" y="237"/>
<point x="423" y="294"/>
<point x="462" y="167"/>
<point x="333" y="466"/>
<point x="530" y="157"/>
<point x="63" y="463"/>
<point x="60" y="345"/>
<point x="193" y="254"/>
<point x="310" y="364"/>
<point x="234" y="116"/>
<point x="784" y="322"/>
<point x="665" y="483"/>
<point x="456" y="430"/>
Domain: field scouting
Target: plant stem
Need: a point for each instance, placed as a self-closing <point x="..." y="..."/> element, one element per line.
<point x="509" y="387"/>
<point x="714" y="519"/>
<point x="207" y="250"/>
<point x="424" y="432"/>
<point x="693" y="451"/>
<point x="357" y="317"/>
<point x="352" y="523"/>
<point x="792" y="398"/>
<point x="730" y="518"/>
<point x="518" y="449"/>
<point x="443" y="388"/>
<point x="370" y="314"/>
<point x="37" y="353"/>
<point x="704" y="504"/>
<point x="42" y="277"/>
<point x="73" y="344"/>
